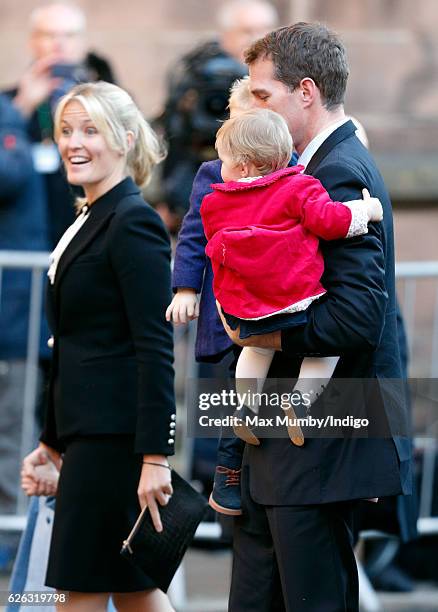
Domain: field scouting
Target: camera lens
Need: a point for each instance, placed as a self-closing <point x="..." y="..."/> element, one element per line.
<point x="215" y="103"/>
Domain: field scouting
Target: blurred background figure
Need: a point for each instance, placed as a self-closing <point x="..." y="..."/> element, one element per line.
<point x="36" y="206"/>
<point x="57" y="45"/>
<point x="23" y="226"/>
<point x="198" y="87"/>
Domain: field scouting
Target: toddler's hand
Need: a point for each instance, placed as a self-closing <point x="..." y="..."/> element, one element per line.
<point x="184" y="307"/>
<point x="374" y="207"/>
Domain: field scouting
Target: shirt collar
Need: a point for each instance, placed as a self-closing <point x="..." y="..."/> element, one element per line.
<point x="249" y="179"/>
<point x="314" y="144"/>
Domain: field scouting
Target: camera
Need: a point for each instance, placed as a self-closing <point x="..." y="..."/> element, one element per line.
<point x="70" y="75"/>
<point x="198" y="92"/>
<point x="198" y="95"/>
<point x="69" y="72"/>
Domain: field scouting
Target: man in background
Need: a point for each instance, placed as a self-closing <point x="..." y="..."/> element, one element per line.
<point x="57" y="45"/>
<point x="36" y="206"/>
<point x="23" y="226"/>
<point x="198" y="89"/>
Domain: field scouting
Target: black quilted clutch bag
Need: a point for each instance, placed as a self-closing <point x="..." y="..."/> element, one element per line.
<point x="159" y="554"/>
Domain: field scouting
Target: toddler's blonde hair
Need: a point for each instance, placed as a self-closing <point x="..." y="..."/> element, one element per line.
<point x="259" y="136"/>
<point x="240" y="96"/>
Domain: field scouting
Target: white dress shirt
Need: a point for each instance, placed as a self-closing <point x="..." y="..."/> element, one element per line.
<point x="359" y="218"/>
<point x="65" y="240"/>
<point x="314" y="144"/>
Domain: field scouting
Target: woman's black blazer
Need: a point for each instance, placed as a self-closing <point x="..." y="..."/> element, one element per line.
<point x="113" y="349"/>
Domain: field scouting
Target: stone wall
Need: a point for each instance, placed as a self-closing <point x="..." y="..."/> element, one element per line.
<point x="392" y="47"/>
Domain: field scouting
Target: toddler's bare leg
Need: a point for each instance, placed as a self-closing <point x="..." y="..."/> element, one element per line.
<point x="251" y="371"/>
<point x="313" y="379"/>
<point x="309" y="384"/>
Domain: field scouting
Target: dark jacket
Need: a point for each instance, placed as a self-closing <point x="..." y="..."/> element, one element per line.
<point x="23" y="227"/>
<point x="357" y="320"/>
<point x="59" y="195"/>
<point x="192" y="268"/>
<point x="113" y="351"/>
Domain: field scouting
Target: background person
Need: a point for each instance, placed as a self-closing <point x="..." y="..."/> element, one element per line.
<point x="34" y="216"/>
<point x="197" y="98"/>
<point x="57" y="45"/>
<point x="111" y="411"/>
<point x="23" y="226"/>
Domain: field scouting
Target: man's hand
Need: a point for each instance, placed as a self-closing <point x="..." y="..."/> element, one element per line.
<point x="36" y="85"/>
<point x="271" y="341"/>
<point x="184" y="307"/>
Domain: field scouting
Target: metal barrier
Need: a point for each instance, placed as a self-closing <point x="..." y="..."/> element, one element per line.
<point x="38" y="263"/>
<point x="409" y="273"/>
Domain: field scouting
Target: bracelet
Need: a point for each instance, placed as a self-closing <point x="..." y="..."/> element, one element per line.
<point x="159" y="464"/>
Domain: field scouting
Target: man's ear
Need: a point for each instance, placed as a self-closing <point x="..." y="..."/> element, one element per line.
<point x="308" y="91"/>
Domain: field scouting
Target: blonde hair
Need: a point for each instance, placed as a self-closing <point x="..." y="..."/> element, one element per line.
<point x="259" y="136"/>
<point x="240" y="95"/>
<point x="115" y="114"/>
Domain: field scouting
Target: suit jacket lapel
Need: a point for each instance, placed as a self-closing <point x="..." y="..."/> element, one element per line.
<point x="85" y="235"/>
<point x="343" y="132"/>
<point x="100" y="213"/>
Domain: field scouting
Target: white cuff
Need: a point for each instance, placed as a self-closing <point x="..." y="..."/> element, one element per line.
<point x="359" y="218"/>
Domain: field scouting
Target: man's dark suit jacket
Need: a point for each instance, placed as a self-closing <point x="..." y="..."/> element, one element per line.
<point x="113" y="352"/>
<point x="356" y="320"/>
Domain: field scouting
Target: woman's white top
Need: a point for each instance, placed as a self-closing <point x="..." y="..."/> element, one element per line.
<point x="65" y="240"/>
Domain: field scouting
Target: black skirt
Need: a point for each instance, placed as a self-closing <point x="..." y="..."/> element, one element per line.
<point x="96" y="507"/>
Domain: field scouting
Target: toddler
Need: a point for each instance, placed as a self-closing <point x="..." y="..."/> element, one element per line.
<point x="263" y="226"/>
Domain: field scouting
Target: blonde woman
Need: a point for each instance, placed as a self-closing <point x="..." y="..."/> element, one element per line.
<point x="110" y="423"/>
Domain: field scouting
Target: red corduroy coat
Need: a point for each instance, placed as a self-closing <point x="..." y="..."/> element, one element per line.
<point x="263" y="241"/>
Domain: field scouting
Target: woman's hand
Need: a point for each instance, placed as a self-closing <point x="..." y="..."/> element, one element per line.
<point x="155" y="486"/>
<point x="40" y="471"/>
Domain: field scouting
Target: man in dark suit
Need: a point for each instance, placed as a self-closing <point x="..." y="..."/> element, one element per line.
<point x="295" y="536"/>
